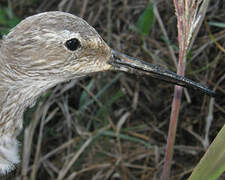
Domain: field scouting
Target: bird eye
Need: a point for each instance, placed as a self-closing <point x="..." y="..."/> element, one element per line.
<point x="73" y="44"/>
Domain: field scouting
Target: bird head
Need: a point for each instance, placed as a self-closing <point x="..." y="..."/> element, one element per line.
<point x="57" y="46"/>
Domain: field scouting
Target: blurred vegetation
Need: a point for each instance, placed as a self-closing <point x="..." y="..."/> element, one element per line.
<point x="146" y="20"/>
<point x="7" y="20"/>
<point x="116" y="125"/>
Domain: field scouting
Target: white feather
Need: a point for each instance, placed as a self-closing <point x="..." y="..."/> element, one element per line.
<point x="8" y="154"/>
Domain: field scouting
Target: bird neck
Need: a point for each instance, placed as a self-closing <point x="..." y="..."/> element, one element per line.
<point x="15" y="96"/>
<point x="11" y="112"/>
<point x="13" y="103"/>
<point x="18" y="90"/>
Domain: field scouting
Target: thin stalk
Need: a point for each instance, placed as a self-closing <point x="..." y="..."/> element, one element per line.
<point x="187" y="19"/>
<point x="173" y="119"/>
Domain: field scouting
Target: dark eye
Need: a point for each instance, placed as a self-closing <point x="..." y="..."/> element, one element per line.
<point x="72" y="44"/>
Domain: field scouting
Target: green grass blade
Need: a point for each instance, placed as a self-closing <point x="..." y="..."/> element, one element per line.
<point x="85" y="101"/>
<point x="101" y="92"/>
<point x="125" y="137"/>
<point x="212" y="164"/>
<point x="217" y="24"/>
<point x="84" y="96"/>
<point x="146" y="20"/>
<point x="105" y="109"/>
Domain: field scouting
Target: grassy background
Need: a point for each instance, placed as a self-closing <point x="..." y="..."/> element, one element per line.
<point x="116" y="124"/>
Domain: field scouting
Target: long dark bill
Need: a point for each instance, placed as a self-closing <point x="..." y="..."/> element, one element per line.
<point x="129" y="64"/>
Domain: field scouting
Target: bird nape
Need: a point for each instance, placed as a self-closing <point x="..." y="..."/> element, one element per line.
<point x="49" y="48"/>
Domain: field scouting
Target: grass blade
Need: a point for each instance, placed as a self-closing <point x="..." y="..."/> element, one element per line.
<point x="212" y="164"/>
<point x="146" y="20"/>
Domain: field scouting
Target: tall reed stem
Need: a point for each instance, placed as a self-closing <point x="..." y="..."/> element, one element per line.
<point x="189" y="17"/>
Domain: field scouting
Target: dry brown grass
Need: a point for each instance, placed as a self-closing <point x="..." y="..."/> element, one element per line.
<point x="122" y="133"/>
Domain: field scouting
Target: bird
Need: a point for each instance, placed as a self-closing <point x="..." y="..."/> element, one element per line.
<point x="49" y="48"/>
